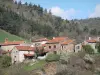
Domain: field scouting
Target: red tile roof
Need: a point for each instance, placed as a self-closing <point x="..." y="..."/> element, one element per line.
<point x="57" y="39"/>
<point x="91" y="41"/>
<point x="28" y="55"/>
<point x="67" y="42"/>
<point x="39" y="40"/>
<point x="25" y="48"/>
<point x="12" y="43"/>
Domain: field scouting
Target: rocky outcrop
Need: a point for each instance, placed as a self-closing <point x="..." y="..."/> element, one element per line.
<point x="88" y="59"/>
<point x="75" y="65"/>
<point x="50" y="68"/>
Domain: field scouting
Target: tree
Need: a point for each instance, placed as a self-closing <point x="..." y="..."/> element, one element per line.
<point x="50" y="12"/>
<point x="15" y="2"/>
<point x="98" y="47"/>
<point x="38" y="52"/>
<point x="26" y="3"/>
<point x="52" y="57"/>
<point x="6" y="61"/>
<point x="40" y="10"/>
<point x="85" y="29"/>
<point x="88" y="49"/>
<point x="45" y="10"/>
<point x="98" y="32"/>
<point x="93" y="32"/>
<point x="30" y="5"/>
<point x="19" y="3"/>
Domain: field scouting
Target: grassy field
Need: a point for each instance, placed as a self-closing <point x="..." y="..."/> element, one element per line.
<point x="4" y="34"/>
<point x="37" y="65"/>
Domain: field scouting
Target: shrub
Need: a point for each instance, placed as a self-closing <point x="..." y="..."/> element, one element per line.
<point x="98" y="47"/>
<point x="88" y="49"/>
<point x="39" y="52"/>
<point x="52" y="57"/>
<point x="6" y="61"/>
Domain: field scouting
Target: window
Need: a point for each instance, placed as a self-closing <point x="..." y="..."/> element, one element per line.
<point x="95" y="47"/>
<point x="54" y="46"/>
<point x="49" y="47"/>
<point x="28" y="51"/>
<point x="78" y="47"/>
<point x="62" y="47"/>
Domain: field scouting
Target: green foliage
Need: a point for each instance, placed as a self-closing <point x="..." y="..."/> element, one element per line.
<point x="98" y="32"/>
<point x="88" y="49"/>
<point x="38" y="65"/>
<point x="98" y="47"/>
<point x="10" y="37"/>
<point x="26" y="3"/>
<point x="6" y="61"/>
<point x="52" y="57"/>
<point x="93" y="32"/>
<point x="85" y="29"/>
<point x="30" y="5"/>
<point x="38" y="52"/>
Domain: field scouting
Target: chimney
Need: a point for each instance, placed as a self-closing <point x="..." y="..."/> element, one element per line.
<point x="90" y="38"/>
<point x="53" y="37"/>
<point x="6" y="40"/>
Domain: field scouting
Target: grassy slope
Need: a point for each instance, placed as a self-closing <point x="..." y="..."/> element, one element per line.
<point x="37" y="65"/>
<point x="4" y="34"/>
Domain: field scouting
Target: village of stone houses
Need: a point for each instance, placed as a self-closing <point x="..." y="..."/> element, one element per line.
<point x="43" y="52"/>
<point x="21" y="51"/>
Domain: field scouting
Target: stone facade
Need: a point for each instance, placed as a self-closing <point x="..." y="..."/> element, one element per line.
<point x="67" y="48"/>
<point x="78" y="47"/>
<point x="20" y="55"/>
<point x="60" y="45"/>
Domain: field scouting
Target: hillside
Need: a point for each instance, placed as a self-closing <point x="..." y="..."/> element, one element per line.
<point x="77" y="64"/>
<point x="4" y="34"/>
<point x="30" y="20"/>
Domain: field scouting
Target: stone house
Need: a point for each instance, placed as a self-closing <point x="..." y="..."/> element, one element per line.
<point x="7" y="46"/>
<point x="67" y="46"/>
<point x="78" y="48"/>
<point x="54" y="44"/>
<point x="39" y="42"/>
<point x="20" y="53"/>
<point x="60" y="44"/>
<point x="92" y="42"/>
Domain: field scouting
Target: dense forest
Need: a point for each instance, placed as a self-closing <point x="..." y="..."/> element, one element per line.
<point x="30" y="20"/>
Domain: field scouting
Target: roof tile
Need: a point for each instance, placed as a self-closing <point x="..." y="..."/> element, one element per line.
<point x="25" y="48"/>
<point x="12" y="43"/>
<point x="28" y="55"/>
<point x="91" y="41"/>
<point x="67" y="42"/>
<point x="39" y="40"/>
<point x="57" y="39"/>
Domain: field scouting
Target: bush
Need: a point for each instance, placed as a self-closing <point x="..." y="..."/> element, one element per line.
<point x="52" y="57"/>
<point x="88" y="49"/>
<point x="98" y="47"/>
<point x="6" y="61"/>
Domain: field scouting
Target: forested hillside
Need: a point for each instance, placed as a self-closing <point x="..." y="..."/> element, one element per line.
<point x="30" y="20"/>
